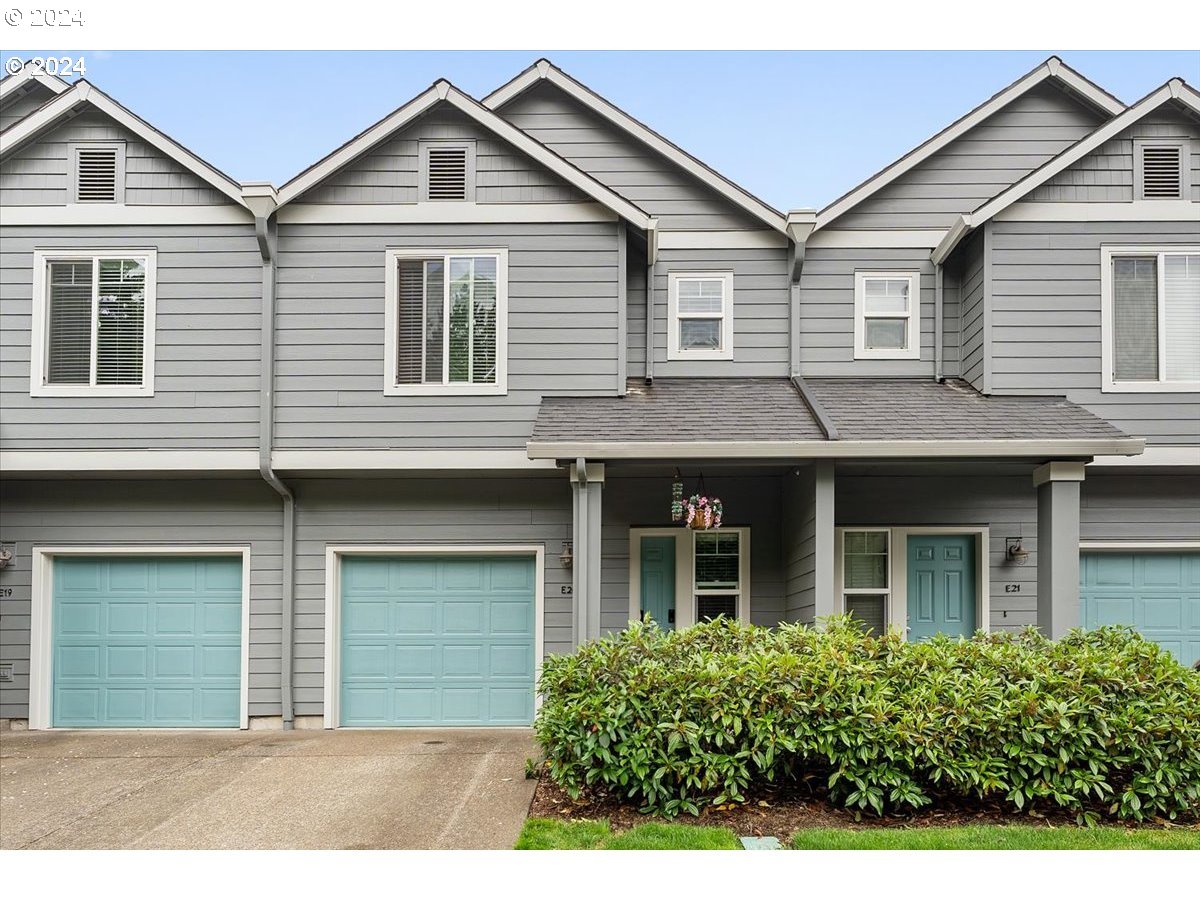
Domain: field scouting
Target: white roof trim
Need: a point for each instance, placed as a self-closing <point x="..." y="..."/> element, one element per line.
<point x="544" y="70"/>
<point x="32" y="73"/>
<point x="445" y="91"/>
<point x="1175" y="89"/>
<point x="1051" y="68"/>
<point x="81" y="92"/>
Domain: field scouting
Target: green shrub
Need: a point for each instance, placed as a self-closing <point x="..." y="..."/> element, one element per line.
<point x="1098" y="723"/>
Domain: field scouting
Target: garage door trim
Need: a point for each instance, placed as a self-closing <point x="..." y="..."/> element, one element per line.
<point x="333" y="601"/>
<point x="41" y="626"/>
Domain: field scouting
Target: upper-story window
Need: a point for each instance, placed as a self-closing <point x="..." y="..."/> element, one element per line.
<point x="446" y="321"/>
<point x="97" y="172"/>
<point x="700" y="315"/>
<point x="93" y="323"/>
<point x="447" y="170"/>
<point x="1151" y="318"/>
<point x="887" y="315"/>
<point x="1161" y="169"/>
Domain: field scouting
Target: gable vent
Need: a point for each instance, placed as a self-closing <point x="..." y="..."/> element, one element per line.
<point x="1162" y="172"/>
<point x="447" y="176"/>
<point x="96" y="175"/>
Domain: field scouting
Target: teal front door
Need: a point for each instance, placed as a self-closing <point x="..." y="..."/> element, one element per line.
<point x="658" y="580"/>
<point x="941" y="585"/>
<point x="440" y="640"/>
<point x="1158" y="594"/>
<point x="146" y="642"/>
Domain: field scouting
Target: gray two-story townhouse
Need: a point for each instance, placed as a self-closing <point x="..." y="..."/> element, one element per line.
<point x="362" y="450"/>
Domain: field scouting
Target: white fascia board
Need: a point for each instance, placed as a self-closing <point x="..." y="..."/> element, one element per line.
<point x="960" y="229"/>
<point x="448" y="212"/>
<point x="876" y="239"/>
<point x="119" y="214"/>
<point x="721" y="240"/>
<point x="27" y="462"/>
<point x="1130" y="211"/>
<point x="32" y="73"/>
<point x="832" y="449"/>
<point x="1051" y="68"/>
<point x="627" y="123"/>
<point x="82" y="92"/>
<point x="1154" y="456"/>
<point x="1174" y="89"/>
<point x="400" y="460"/>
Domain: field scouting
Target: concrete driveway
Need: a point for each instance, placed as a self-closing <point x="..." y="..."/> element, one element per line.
<point x="398" y="789"/>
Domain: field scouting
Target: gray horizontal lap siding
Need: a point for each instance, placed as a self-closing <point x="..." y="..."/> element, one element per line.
<point x="1046" y="321"/>
<point x="176" y="511"/>
<point x="978" y="165"/>
<point x="39" y="174"/>
<point x="207" y="334"/>
<point x="972" y="313"/>
<point x="389" y="172"/>
<point x="562" y="334"/>
<point x="413" y="511"/>
<point x="1148" y="506"/>
<point x="827" y="310"/>
<point x="613" y="158"/>
<point x="798" y="537"/>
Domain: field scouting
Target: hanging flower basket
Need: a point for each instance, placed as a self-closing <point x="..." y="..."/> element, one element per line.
<point x="701" y="512"/>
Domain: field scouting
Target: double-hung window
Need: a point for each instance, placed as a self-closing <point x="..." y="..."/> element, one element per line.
<point x="446" y="322"/>
<point x="1151" y="318"/>
<point x="700" y="315"/>
<point x="866" y="579"/>
<point x="887" y="315"/>
<point x="93" y="323"/>
<point x="720" y="572"/>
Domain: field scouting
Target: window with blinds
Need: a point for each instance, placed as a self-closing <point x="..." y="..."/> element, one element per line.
<point x="717" y="579"/>
<point x="866" y="584"/>
<point x="886" y="315"/>
<point x="1161" y="171"/>
<point x="448" y="320"/>
<point x="98" y="173"/>
<point x="1155" y="317"/>
<point x="700" y="308"/>
<point x="96" y="315"/>
<point x="447" y="171"/>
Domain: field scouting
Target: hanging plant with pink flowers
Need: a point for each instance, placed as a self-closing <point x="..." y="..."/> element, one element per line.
<point x="701" y="512"/>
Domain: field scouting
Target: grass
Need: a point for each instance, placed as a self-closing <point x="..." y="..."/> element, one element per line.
<point x="551" y="834"/>
<point x="996" y="837"/>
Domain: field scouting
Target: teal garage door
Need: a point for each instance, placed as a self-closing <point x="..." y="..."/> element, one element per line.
<point x="444" y="640"/>
<point x="147" y="642"/>
<point x="1156" y="593"/>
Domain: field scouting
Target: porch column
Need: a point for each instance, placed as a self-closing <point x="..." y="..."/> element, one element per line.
<point x="823" y="487"/>
<point x="1057" y="486"/>
<point x="587" y="480"/>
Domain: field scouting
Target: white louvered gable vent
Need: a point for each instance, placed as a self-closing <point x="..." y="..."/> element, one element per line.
<point x="448" y="171"/>
<point x="99" y="173"/>
<point x="1162" y="172"/>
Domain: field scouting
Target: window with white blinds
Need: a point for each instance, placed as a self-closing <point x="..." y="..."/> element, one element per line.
<point x="887" y="315"/>
<point x="447" y="312"/>
<point x="94" y="321"/>
<point x="1152" y="319"/>
<point x="719" y="572"/>
<point x="98" y="172"/>
<point x="866" y="583"/>
<point x="700" y="307"/>
<point x="1161" y="170"/>
<point x="447" y="170"/>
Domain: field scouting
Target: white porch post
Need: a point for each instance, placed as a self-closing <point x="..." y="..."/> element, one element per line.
<point x="1057" y="486"/>
<point x="587" y="480"/>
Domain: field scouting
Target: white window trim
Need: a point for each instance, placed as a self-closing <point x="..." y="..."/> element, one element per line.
<point x="1108" y="384"/>
<point x="1183" y="145"/>
<point x="913" y="332"/>
<point x="73" y="149"/>
<point x="41" y="626"/>
<point x="40" y="334"/>
<point x="423" y="170"/>
<point x="335" y="553"/>
<point x="391" y="318"/>
<point x="685" y="572"/>
<point x="896" y="615"/>
<point x="674" y="352"/>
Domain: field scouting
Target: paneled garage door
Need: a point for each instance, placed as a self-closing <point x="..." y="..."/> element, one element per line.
<point x="147" y="642"/>
<point x="445" y="640"/>
<point x="1157" y="593"/>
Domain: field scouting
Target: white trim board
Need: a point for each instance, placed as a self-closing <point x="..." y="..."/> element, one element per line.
<point x="121" y="214"/>
<point x="1133" y="211"/>
<point x="685" y="571"/>
<point x="1138" y="546"/>
<point x="334" y="553"/>
<point x="444" y="91"/>
<point x="41" y="630"/>
<point x="451" y="212"/>
<point x="1052" y="68"/>
<point x="882" y="239"/>
<point x="399" y="460"/>
<point x="1154" y="455"/>
<point x="545" y="70"/>
<point x="721" y="240"/>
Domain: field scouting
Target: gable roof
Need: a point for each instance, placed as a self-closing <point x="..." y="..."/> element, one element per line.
<point x="1176" y="90"/>
<point x="31" y="73"/>
<point x="1052" y="69"/>
<point x="82" y="93"/>
<point x="443" y="91"/>
<point x="544" y="70"/>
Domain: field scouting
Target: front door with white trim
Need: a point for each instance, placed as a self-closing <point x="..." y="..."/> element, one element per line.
<point x="681" y="576"/>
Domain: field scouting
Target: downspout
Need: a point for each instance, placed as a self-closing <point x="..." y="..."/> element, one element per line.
<point x="261" y="199"/>
<point x="799" y="226"/>
<point x="651" y="259"/>
<point x="938" y="340"/>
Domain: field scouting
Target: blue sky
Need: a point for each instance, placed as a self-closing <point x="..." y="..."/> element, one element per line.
<point x="795" y="128"/>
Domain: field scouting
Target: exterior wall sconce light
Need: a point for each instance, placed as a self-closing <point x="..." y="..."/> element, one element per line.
<point x="1014" y="551"/>
<point x="567" y="558"/>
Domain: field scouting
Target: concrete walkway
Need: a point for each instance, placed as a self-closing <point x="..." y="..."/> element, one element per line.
<point x="397" y="789"/>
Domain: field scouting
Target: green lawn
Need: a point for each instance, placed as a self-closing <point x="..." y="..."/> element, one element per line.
<point x="551" y="834"/>
<point x="996" y="837"/>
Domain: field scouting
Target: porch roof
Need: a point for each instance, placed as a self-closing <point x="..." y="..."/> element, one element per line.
<point x="759" y="418"/>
